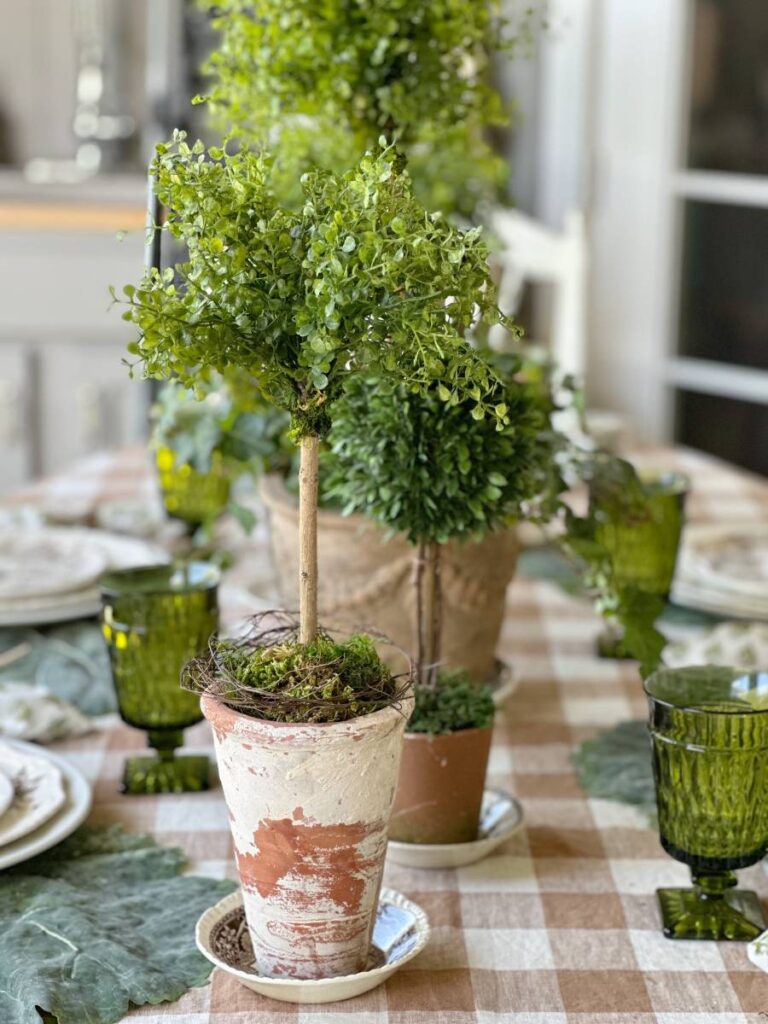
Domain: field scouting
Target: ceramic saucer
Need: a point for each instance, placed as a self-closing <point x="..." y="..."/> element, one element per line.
<point x="500" y="816"/>
<point x="400" y="933"/>
<point x="504" y="683"/>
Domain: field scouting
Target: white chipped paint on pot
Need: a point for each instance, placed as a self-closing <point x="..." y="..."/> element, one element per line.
<point x="309" y="807"/>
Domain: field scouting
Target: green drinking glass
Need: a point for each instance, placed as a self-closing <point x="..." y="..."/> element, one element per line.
<point x="195" y="498"/>
<point x="154" y="620"/>
<point x="709" y="738"/>
<point x="642" y="542"/>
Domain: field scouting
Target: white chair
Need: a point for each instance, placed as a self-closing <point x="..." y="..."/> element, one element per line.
<point x="532" y="252"/>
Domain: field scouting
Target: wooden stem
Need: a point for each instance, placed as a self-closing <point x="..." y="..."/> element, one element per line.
<point x="310" y="453"/>
<point x="432" y="613"/>
<point x="418" y="624"/>
<point x="436" y="625"/>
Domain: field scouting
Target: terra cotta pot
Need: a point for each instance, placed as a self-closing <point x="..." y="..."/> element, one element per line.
<point x="440" y="789"/>
<point x="309" y="806"/>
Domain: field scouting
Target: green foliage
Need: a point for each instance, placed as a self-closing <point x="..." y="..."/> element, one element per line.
<point x="323" y="681"/>
<point x="616" y="765"/>
<point x="618" y="492"/>
<point x="102" y="923"/>
<point x="455" y="703"/>
<point x="425" y="466"/>
<point x="358" y="276"/>
<point x="318" y="83"/>
<point x="194" y="424"/>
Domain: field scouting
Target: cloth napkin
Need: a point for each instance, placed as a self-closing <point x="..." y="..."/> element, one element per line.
<point x="30" y="712"/>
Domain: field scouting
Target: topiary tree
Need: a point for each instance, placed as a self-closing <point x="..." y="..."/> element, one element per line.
<point x="359" y="276"/>
<point x="431" y="466"/>
<point x="318" y="82"/>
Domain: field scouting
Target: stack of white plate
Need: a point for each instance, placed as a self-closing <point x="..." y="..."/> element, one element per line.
<point x="42" y="800"/>
<point x="51" y="574"/>
<point x="724" y="570"/>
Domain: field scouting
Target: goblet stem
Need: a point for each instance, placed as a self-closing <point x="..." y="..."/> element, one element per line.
<point x="714" y="885"/>
<point x="165" y="742"/>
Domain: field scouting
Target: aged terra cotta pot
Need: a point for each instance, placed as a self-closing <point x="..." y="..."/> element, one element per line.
<point x="309" y="807"/>
<point x="440" y="789"/>
<point x="366" y="579"/>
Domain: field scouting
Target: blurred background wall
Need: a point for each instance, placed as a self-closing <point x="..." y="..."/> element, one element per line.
<point x="649" y="119"/>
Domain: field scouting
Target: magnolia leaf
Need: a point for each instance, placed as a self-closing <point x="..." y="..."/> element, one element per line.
<point x="616" y="765"/>
<point x="102" y="922"/>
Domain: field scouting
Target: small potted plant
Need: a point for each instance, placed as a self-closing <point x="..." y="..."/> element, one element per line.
<point x="308" y="731"/>
<point x="205" y="440"/>
<point x="423" y="465"/>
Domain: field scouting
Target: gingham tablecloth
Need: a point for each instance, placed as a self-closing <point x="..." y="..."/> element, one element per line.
<point x="560" y="924"/>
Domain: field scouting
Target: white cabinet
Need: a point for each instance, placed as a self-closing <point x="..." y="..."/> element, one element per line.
<point x="64" y="388"/>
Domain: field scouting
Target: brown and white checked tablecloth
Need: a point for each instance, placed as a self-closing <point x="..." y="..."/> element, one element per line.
<point x="559" y="926"/>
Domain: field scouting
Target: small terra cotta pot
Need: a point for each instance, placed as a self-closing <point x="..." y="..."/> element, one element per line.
<point x="309" y="806"/>
<point x="440" y="790"/>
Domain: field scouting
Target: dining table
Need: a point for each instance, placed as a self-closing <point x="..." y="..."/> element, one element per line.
<point x="560" y="924"/>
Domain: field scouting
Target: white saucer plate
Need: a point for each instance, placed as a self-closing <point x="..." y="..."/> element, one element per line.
<point x="501" y="815"/>
<point x="7" y="792"/>
<point x="78" y="603"/>
<point x="72" y="813"/>
<point x="400" y="933"/>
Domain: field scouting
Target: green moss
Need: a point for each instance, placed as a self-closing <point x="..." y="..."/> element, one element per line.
<point x="325" y="681"/>
<point x="456" y="704"/>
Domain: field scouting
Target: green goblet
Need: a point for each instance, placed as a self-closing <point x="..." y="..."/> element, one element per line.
<point x="642" y="540"/>
<point x="195" y="498"/>
<point x="154" y="620"/>
<point x="709" y="737"/>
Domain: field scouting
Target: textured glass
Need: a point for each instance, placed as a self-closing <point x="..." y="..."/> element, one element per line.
<point x="709" y="735"/>
<point x="643" y="546"/>
<point x="724" y="284"/>
<point x="196" y="498"/>
<point x="729" y="86"/>
<point x="154" y="620"/>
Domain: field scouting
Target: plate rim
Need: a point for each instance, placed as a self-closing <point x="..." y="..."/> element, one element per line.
<point x="390" y="896"/>
<point x="63" y="822"/>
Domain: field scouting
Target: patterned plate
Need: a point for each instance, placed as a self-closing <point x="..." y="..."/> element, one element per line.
<point x="399" y="934"/>
<point x="7" y="793"/>
<point x="41" y="563"/>
<point x="38" y="792"/>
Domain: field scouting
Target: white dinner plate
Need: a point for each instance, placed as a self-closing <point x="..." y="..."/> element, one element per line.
<point x="38" y="791"/>
<point x="81" y="602"/>
<point x="70" y="815"/>
<point x="7" y="792"/>
<point x="41" y="563"/>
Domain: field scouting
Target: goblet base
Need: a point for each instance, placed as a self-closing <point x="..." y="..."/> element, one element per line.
<point x="735" y="916"/>
<point x="189" y="773"/>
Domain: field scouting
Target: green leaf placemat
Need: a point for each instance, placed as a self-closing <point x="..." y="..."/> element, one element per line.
<point x="70" y="661"/>
<point x="616" y="765"/>
<point x="103" y="922"/>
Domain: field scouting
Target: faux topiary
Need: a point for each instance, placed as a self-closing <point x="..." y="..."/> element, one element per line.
<point x="358" y="277"/>
<point x="428" y="466"/>
<point x="319" y="82"/>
